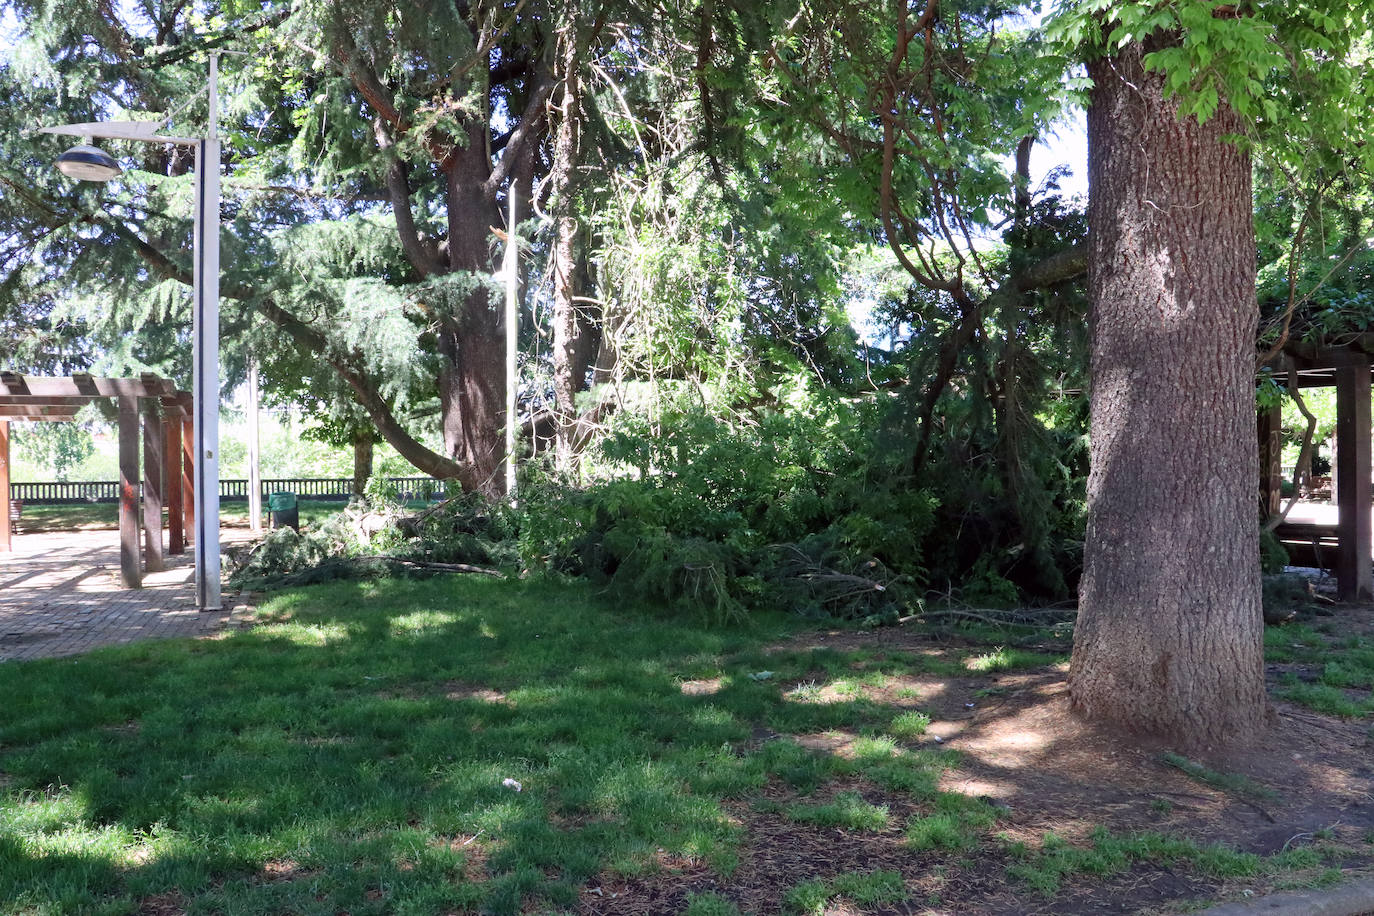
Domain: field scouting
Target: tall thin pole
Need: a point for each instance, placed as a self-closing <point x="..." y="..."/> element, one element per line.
<point x="254" y="451"/>
<point x="206" y="332"/>
<point x="512" y="332"/>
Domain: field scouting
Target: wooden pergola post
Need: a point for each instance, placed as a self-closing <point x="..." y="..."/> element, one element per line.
<point x="176" y="532"/>
<point x="1269" y="428"/>
<point x="188" y="493"/>
<point x="5" y="528"/>
<point x="1354" y="568"/>
<point x="130" y="572"/>
<point x="153" y="467"/>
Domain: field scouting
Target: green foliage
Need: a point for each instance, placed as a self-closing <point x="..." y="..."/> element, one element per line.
<point x="58" y="448"/>
<point x="1295" y="73"/>
<point x="787" y="510"/>
<point x="1273" y="555"/>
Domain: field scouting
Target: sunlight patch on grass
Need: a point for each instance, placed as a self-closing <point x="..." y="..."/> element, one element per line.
<point x="1004" y="659"/>
<point x="909" y="725"/>
<point x="847" y="810"/>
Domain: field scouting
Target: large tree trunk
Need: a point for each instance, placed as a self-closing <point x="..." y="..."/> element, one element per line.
<point x="1169" y="636"/>
<point x="472" y="382"/>
<point x="575" y="330"/>
<point x="362" y="461"/>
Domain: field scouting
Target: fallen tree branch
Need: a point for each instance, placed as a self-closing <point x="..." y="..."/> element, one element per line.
<point x="1022" y="617"/>
<point x="439" y="567"/>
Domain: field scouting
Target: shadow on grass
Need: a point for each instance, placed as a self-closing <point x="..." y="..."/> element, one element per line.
<point x="362" y="754"/>
<point x="408" y="746"/>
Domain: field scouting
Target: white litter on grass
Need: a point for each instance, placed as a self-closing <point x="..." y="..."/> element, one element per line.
<point x="511" y="784"/>
<point x="760" y="675"/>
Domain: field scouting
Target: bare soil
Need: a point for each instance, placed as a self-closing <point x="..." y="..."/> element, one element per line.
<point x="1023" y="750"/>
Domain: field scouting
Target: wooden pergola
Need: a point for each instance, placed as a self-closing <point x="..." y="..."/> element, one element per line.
<point x="167" y="455"/>
<point x="1347" y="368"/>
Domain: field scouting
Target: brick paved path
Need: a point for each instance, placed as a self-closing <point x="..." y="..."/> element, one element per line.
<point x="60" y="595"/>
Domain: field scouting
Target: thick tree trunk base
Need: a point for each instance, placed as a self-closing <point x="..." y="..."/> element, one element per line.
<point x="1170" y="634"/>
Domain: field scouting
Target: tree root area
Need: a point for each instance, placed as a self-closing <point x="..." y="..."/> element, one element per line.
<point x="1309" y="780"/>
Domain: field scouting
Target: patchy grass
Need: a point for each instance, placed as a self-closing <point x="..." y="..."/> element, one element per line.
<point x="709" y="905"/>
<point x="1004" y="659"/>
<point x="1233" y="783"/>
<point x="957" y="823"/>
<point x="1341" y="686"/>
<point x="1044" y="869"/>
<point x="866" y="889"/>
<point x="848" y="810"/>
<point x="468" y="745"/>
<point x="909" y="725"/>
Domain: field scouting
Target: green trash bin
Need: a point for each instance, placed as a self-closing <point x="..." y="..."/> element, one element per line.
<point x="285" y="512"/>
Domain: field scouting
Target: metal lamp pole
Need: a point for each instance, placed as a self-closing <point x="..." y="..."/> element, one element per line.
<point x="205" y="312"/>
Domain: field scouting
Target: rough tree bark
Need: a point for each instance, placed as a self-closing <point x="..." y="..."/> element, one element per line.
<point x="1169" y="636"/>
<point x="362" y="461"/>
<point x="575" y="328"/>
<point x="476" y="169"/>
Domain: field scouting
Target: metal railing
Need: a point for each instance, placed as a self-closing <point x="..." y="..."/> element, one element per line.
<point x="52" y="492"/>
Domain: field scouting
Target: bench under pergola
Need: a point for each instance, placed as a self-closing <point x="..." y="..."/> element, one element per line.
<point x="1346" y="367"/>
<point x="167" y="455"/>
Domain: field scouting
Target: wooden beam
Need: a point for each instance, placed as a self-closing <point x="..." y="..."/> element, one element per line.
<point x="5" y="529"/>
<point x="1269" y="430"/>
<point x="176" y="533"/>
<point x="188" y="494"/>
<point x="130" y="572"/>
<point x="173" y="405"/>
<point x="38" y="400"/>
<point x="153" y="466"/>
<point x="1354" y="568"/>
<point x="156" y="385"/>
<point x="38" y="412"/>
<point x="86" y="386"/>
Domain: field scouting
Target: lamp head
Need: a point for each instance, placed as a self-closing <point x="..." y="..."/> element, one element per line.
<point x="88" y="163"/>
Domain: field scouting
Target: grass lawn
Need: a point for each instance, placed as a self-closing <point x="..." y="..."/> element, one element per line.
<point x="472" y="745"/>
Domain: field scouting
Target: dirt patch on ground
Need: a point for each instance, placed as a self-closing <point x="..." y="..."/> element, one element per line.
<point x="702" y="688"/>
<point x="456" y="690"/>
<point x="279" y="871"/>
<point x="168" y="904"/>
<point x="1309" y="778"/>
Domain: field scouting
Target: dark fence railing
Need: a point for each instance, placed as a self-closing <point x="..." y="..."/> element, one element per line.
<point x="324" y="488"/>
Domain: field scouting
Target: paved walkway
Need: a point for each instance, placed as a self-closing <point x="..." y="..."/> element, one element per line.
<point x="60" y="595"/>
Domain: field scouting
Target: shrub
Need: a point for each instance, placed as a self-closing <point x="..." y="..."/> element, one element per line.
<point x="792" y="511"/>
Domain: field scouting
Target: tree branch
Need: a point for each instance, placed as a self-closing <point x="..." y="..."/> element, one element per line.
<point x="523" y="138"/>
<point x="1065" y="265"/>
<point x="423" y="257"/>
<point x="364" y="391"/>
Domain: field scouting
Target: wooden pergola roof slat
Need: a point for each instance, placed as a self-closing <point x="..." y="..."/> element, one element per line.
<point x="33" y="392"/>
<point x="85" y="386"/>
<point x="39" y="412"/>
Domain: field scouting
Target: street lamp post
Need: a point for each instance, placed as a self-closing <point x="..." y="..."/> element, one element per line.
<point x="90" y="164"/>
